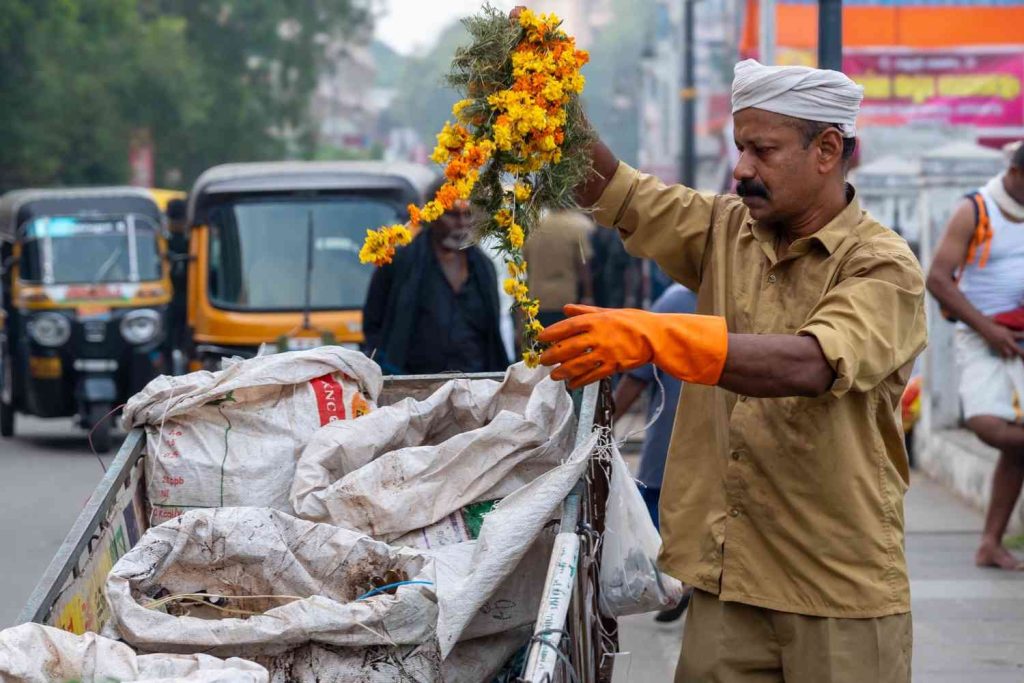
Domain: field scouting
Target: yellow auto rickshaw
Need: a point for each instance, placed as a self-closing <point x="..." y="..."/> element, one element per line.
<point x="274" y="252"/>
<point x="163" y="197"/>
<point x="84" y="287"/>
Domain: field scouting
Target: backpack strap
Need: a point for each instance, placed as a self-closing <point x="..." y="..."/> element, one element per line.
<point x="981" y="241"/>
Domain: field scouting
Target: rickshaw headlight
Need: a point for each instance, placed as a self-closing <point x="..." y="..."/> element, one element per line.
<point x="49" y="329"/>
<point x="140" y="327"/>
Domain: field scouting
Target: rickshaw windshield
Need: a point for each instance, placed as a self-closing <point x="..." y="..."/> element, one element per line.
<point x="90" y="250"/>
<point x="259" y="250"/>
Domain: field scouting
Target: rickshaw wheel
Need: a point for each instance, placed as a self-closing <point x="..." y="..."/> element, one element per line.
<point x="100" y="434"/>
<point x="6" y="378"/>
<point x="6" y="419"/>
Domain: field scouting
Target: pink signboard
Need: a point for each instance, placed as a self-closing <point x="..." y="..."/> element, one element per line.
<point x="962" y="87"/>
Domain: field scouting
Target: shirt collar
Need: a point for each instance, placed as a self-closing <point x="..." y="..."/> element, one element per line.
<point x="830" y="236"/>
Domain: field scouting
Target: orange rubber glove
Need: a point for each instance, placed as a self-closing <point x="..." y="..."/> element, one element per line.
<point x="594" y="343"/>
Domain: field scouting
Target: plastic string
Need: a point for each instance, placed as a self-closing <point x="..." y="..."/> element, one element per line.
<point x="388" y="586"/>
<point x="562" y="657"/>
<point x="654" y="418"/>
<point x="93" y="429"/>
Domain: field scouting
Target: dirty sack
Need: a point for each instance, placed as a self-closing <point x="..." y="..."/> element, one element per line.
<point x="231" y="438"/>
<point x="410" y="465"/>
<point x="485" y="659"/>
<point x="432" y="474"/>
<point x="33" y="653"/>
<point x="316" y="663"/>
<point x="307" y="582"/>
<point x="631" y="582"/>
<point x="493" y="584"/>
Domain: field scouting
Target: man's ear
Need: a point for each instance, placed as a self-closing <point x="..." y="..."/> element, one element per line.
<point x="830" y="150"/>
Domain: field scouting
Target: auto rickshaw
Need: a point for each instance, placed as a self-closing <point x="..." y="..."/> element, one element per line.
<point x="164" y="197"/>
<point x="85" y="285"/>
<point x="274" y="252"/>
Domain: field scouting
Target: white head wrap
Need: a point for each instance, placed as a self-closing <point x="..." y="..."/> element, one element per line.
<point x="798" y="91"/>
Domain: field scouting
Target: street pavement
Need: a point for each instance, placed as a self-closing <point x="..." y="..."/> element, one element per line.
<point x="968" y="622"/>
<point x="47" y="474"/>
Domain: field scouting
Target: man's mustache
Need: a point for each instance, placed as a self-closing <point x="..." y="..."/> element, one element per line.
<point x="752" y="188"/>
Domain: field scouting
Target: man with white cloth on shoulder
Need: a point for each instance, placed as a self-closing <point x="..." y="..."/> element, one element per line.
<point x="976" y="274"/>
<point x="782" y="501"/>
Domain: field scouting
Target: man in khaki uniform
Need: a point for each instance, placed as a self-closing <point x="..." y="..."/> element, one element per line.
<point x="782" y="501"/>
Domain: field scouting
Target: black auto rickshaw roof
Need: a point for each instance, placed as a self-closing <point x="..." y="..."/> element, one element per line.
<point x="410" y="181"/>
<point x="19" y="206"/>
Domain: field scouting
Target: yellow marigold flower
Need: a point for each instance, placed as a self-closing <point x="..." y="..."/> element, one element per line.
<point x="528" y="18"/>
<point x="531" y="307"/>
<point x="503" y="137"/>
<point x="503" y="218"/>
<point x="452" y="136"/>
<point x="510" y="286"/>
<point x="533" y="327"/>
<point x="432" y="210"/>
<point x="459" y="106"/>
<point x="531" y="358"/>
<point x="516" y="236"/>
<point x="440" y="155"/>
<point x="464" y="188"/>
<point x="399" y="234"/>
<point x="379" y="246"/>
<point x="516" y="270"/>
<point x="522" y="191"/>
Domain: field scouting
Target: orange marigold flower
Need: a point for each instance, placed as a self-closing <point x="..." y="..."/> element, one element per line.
<point x="456" y="169"/>
<point x="447" y="196"/>
<point x="414" y="215"/>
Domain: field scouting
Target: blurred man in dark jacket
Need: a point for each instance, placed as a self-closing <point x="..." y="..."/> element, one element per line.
<point x="435" y="308"/>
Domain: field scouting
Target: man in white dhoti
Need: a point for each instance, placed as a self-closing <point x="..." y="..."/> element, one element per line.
<point x="782" y="500"/>
<point x="976" y="277"/>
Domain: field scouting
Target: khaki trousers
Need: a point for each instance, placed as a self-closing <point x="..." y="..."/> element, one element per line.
<point x="729" y="642"/>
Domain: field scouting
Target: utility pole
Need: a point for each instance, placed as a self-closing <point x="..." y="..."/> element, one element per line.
<point x="688" y="160"/>
<point x="766" y="20"/>
<point x="830" y="34"/>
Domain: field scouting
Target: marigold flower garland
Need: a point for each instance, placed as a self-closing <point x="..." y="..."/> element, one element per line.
<point x="517" y="145"/>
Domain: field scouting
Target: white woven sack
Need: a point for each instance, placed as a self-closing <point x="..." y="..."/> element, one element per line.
<point x="411" y="464"/>
<point x="231" y="438"/>
<point x="263" y="552"/>
<point x="33" y="653"/>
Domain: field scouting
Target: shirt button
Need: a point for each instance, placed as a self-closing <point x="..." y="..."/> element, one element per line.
<point x="734" y="512"/>
<point x="772" y="278"/>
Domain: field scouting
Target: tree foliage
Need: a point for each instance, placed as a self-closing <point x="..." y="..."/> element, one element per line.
<point x="211" y="80"/>
<point x="611" y="97"/>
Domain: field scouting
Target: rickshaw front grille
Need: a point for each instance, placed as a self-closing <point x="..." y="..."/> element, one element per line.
<point x="94" y="331"/>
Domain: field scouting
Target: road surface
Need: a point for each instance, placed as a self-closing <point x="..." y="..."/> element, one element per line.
<point x="47" y="474"/>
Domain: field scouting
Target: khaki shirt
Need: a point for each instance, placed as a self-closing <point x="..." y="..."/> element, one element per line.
<point x="557" y="247"/>
<point x="793" y="504"/>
